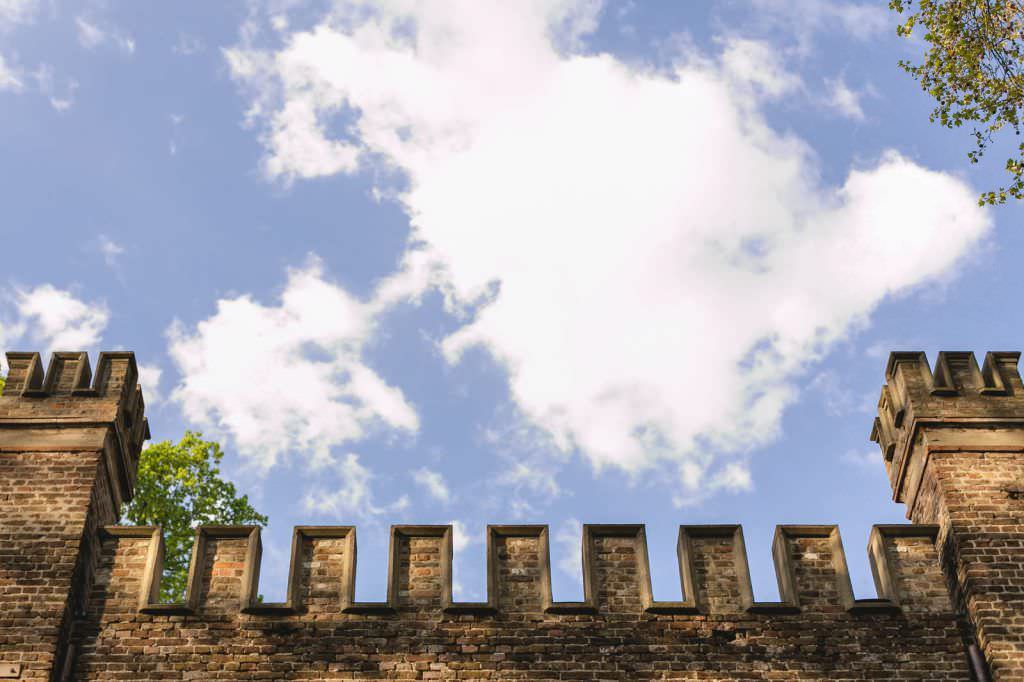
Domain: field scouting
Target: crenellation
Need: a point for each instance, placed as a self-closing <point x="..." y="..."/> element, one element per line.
<point x="906" y="569"/>
<point x="715" y="579"/>
<point x="25" y="372"/>
<point x="713" y="567"/>
<point x="519" y="580"/>
<point x="620" y="580"/>
<point x="421" y="567"/>
<point x="321" y="579"/>
<point x="224" y="571"/>
<point x="1001" y="374"/>
<point x="125" y="581"/>
<point x="811" y="567"/>
<point x="67" y="374"/>
<point x="81" y="595"/>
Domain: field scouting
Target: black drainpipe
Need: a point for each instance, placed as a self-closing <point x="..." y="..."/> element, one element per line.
<point x="978" y="665"/>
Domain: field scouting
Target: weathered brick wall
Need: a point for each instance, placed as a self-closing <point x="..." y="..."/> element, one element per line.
<point x="62" y="477"/>
<point x="40" y="536"/>
<point x="617" y="633"/>
<point x="953" y="441"/>
<point x="983" y="532"/>
<point x="75" y="589"/>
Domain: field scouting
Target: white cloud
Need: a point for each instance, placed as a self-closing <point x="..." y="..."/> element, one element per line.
<point x="288" y="377"/>
<point x="734" y="477"/>
<point x="55" y="319"/>
<point x="836" y="398"/>
<point x="14" y="12"/>
<point x="45" y="318"/>
<point x="10" y="77"/>
<point x="110" y="249"/>
<point x="759" y="64"/>
<point x="45" y="80"/>
<point x="91" y="36"/>
<point x="461" y="537"/>
<point x="865" y="459"/>
<point x="149" y="380"/>
<point x="843" y="99"/>
<point x="534" y="476"/>
<point x="352" y="498"/>
<point x="433" y="483"/>
<point x="569" y="538"/>
<point x="805" y="19"/>
<point x="651" y="262"/>
<point x="700" y="478"/>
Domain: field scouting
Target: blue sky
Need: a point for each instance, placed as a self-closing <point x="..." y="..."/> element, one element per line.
<point x="485" y="262"/>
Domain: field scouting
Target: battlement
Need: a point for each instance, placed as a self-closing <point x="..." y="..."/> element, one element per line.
<point x="81" y="601"/>
<point x="67" y="407"/>
<point x="817" y="630"/>
<point x="714" y="574"/>
<point x="958" y="394"/>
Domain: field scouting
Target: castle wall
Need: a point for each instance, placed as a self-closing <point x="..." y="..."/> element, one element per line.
<point x="79" y="596"/>
<point x="953" y="442"/>
<point x="62" y="479"/>
<point x="817" y="630"/>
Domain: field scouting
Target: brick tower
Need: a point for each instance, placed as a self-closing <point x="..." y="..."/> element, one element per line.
<point x="953" y="443"/>
<point x="69" y="448"/>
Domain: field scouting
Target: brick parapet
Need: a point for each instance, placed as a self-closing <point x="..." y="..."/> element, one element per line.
<point x="616" y="571"/>
<point x="618" y="631"/>
<point x="79" y="595"/>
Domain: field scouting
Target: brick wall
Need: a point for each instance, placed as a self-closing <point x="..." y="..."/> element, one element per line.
<point x="63" y="475"/>
<point x="76" y="589"/>
<point x="953" y="442"/>
<point x="616" y="633"/>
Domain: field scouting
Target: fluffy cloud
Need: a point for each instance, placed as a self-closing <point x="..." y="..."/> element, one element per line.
<point x="10" y="77"/>
<point x="843" y="99"/>
<point x="91" y="35"/>
<point x="61" y="99"/>
<point x="433" y="483"/>
<point x="648" y="258"/>
<point x="45" y="318"/>
<point x="57" y="320"/>
<point x="110" y="250"/>
<point x="14" y="12"/>
<point x="288" y="377"/>
<point x="149" y="380"/>
<point x="865" y="459"/>
<point x="804" y="19"/>
<point x="569" y="539"/>
<point x="461" y="537"/>
<point x="353" y="497"/>
<point x="837" y="399"/>
<point x="758" y="64"/>
<point x="700" y="478"/>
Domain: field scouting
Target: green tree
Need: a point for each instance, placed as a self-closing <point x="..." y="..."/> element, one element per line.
<point x="179" y="487"/>
<point x="974" y="69"/>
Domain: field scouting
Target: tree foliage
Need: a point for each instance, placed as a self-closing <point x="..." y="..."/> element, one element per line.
<point x="179" y="487"/>
<point x="974" y="69"/>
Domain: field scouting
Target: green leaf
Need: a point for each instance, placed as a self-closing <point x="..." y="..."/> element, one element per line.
<point x="974" y="70"/>
<point x="179" y="487"/>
